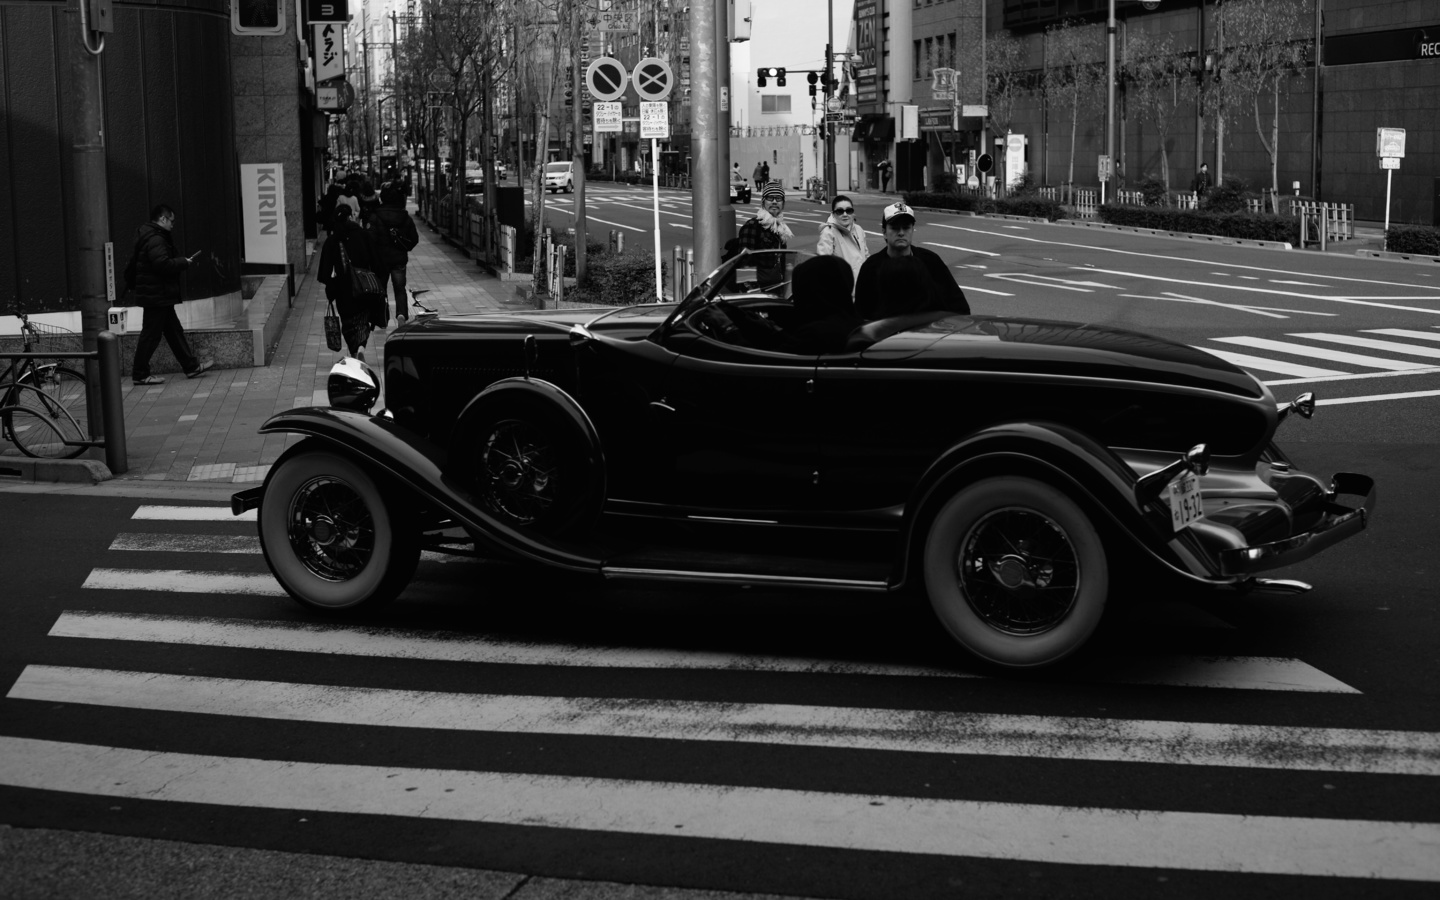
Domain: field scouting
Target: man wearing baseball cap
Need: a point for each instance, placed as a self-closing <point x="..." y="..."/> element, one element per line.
<point x="903" y="278"/>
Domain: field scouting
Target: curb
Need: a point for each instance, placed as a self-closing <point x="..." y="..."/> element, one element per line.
<point x="1190" y="236"/>
<point x="26" y="470"/>
<point x="1398" y="257"/>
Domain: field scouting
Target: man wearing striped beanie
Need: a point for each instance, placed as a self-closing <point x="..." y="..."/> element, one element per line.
<point x="768" y="231"/>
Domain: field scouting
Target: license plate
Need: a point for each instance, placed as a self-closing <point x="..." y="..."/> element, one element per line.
<point x="1184" y="497"/>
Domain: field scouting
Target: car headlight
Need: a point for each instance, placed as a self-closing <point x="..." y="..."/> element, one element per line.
<point x="353" y="385"/>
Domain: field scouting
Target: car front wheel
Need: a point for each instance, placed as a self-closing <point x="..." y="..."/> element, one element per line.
<point x="332" y="539"/>
<point x="1016" y="572"/>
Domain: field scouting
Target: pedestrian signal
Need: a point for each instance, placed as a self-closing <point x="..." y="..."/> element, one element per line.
<point x="257" y="16"/>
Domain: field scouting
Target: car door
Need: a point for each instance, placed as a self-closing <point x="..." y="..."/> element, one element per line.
<point x="739" y="426"/>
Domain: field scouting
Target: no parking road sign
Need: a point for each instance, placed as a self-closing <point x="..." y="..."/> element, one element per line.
<point x="605" y="79"/>
<point x="653" y="79"/>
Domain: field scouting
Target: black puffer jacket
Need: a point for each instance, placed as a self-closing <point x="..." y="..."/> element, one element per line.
<point x="332" y="272"/>
<point x="157" y="268"/>
<point x="393" y="234"/>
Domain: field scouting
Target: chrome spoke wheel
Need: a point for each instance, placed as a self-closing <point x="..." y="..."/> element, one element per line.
<point x="331" y="530"/>
<point x="1019" y="571"/>
<point x="520" y="471"/>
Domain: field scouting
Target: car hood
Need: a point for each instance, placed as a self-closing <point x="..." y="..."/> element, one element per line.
<point x="1044" y="347"/>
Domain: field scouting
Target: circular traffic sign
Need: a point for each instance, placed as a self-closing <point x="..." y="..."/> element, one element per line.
<point x="653" y="79"/>
<point x="605" y="79"/>
<point x="984" y="163"/>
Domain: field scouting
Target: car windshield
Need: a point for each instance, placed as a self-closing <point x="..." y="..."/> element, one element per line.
<point x="559" y="168"/>
<point x="758" y="272"/>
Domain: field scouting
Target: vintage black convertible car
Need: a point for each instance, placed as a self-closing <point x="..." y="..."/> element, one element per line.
<point x="1007" y="468"/>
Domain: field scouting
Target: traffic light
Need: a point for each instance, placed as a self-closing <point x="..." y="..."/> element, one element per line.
<point x="257" y="16"/>
<point x="763" y="73"/>
<point x="814" y="79"/>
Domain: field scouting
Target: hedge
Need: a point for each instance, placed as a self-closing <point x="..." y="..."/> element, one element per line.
<point x="617" y="279"/>
<point x="1023" y="205"/>
<point x="1262" y="227"/>
<point x="1418" y="239"/>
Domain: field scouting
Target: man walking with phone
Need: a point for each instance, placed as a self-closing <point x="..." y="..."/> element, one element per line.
<point x="156" y="290"/>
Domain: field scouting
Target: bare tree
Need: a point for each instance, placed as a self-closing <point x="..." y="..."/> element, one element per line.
<point x="1265" y="46"/>
<point x="1157" y="83"/>
<point x="1006" y="78"/>
<point x="547" y="59"/>
<point x="1074" y="73"/>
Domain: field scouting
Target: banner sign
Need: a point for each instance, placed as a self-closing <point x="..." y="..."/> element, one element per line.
<point x="329" y="51"/>
<point x="262" y="202"/>
<point x="607" y="116"/>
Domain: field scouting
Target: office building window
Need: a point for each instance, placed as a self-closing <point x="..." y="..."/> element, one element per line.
<point x="918" y="62"/>
<point x="774" y="103"/>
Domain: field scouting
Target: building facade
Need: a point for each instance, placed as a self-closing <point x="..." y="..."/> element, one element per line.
<point x="1379" y="67"/>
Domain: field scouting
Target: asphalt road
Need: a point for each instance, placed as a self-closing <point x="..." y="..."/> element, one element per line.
<point x="1363" y="334"/>
<point x="174" y="726"/>
<point x="512" y="733"/>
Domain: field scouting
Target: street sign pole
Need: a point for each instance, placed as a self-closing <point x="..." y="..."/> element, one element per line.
<point x="577" y="168"/>
<point x="1388" y="173"/>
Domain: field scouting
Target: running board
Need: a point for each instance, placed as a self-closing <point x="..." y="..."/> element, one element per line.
<point x="740" y="578"/>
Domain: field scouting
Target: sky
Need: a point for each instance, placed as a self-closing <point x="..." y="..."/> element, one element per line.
<point x="789" y="33"/>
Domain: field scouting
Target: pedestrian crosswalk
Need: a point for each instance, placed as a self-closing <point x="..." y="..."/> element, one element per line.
<point x="297" y="704"/>
<point x="1316" y="355"/>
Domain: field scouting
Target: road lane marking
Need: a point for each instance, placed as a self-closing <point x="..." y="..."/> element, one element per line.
<point x="1020" y="278"/>
<point x="971" y="287"/>
<point x="1351" y="340"/>
<point x="1355" y="376"/>
<point x="184" y="581"/>
<point x="1092" y="836"/>
<point x="1187" y="259"/>
<point x="1300" y="283"/>
<point x="1259" y="290"/>
<point x="1240" y="673"/>
<point x="1407" y="395"/>
<point x="1373" y="362"/>
<point x="186" y="543"/>
<point x="961" y="249"/>
<point x="1182" y="298"/>
<point x="191" y="514"/>
<point x="1092" y="739"/>
<point x="1246" y="361"/>
<point x="1405" y="332"/>
<point x="151" y="542"/>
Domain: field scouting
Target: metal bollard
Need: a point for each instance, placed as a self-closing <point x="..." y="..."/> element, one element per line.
<point x="112" y="408"/>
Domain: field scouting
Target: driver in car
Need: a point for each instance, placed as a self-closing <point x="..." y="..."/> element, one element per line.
<point x="886" y="285"/>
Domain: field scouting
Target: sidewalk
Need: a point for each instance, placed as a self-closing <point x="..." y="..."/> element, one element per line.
<point x="206" y="429"/>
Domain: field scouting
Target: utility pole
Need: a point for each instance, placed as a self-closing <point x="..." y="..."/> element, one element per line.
<point x="723" y="100"/>
<point x="1109" y="94"/>
<point x="89" y="214"/>
<point x="577" y="134"/>
<point x="705" y="192"/>
<point x="831" y="185"/>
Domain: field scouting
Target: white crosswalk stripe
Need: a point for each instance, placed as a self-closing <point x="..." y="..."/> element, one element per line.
<point x="1298" y="354"/>
<point x="327" y="777"/>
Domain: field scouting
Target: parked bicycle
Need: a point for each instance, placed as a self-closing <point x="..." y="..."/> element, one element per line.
<point x="42" y="402"/>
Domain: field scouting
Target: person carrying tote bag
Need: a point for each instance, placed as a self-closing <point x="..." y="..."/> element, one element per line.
<point x="344" y="259"/>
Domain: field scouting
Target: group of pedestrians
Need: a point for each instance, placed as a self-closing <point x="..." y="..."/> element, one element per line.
<point x="898" y="279"/>
<point x="379" y="240"/>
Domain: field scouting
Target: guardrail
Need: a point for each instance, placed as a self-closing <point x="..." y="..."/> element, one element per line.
<point x="112" y="408"/>
<point x="682" y="273"/>
<point x="1321" y="223"/>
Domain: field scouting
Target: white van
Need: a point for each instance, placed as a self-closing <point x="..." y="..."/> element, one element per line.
<point x="559" y="176"/>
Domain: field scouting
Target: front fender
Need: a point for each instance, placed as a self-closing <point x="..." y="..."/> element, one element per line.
<point x="419" y="464"/>
<point x="1075" y="462"/>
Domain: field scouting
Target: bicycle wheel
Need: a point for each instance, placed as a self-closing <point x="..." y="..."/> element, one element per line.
<point x="39" y="426"/>
<point x="64" y="386"/>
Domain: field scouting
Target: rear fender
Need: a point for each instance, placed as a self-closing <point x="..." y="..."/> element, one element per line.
<point x="533" y="396"/>
<point x="1073" y="462"/>
<point x="383" y="446"/>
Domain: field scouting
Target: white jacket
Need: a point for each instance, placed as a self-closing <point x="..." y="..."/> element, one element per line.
<point x="848" y="244"/>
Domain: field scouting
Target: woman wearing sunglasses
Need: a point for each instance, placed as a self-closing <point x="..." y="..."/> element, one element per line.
<point x="842" y="236"/>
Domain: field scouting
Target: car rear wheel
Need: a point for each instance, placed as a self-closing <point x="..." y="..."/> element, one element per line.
<point x="525" y="468"/>
<point x="333" y="540"/>
<point x="1016" y="572"/>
